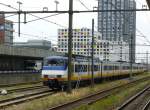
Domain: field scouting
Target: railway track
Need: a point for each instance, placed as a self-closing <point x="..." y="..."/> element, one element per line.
<point x="23" y="98"/>
<point x="19" y="84"/>
<point x="88" y="99"/>
<point x="24" y="89"/>
<point x="137" y="102"/>
<point x="147" y="106"/>
<point x="92" y="98"/>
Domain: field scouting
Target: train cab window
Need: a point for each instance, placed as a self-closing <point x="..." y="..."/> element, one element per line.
<point x="56" y="62"/>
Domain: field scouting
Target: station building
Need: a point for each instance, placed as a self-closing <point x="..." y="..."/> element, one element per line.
<point x="38" y="44"/>
<point x="104" y="49"/>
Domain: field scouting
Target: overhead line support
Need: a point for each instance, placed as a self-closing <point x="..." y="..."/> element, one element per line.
<point x="84" y="11"/>
<point x="92" y="55"/>
<point x="70" y="45"/>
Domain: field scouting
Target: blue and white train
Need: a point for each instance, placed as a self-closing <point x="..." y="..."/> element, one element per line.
<point x="55" y="70"/>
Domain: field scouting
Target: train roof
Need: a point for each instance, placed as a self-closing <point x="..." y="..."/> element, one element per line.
<point x="81" y="58"/>
<point x="75" y="57"/>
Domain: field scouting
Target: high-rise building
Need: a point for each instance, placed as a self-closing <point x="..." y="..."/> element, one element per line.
<point x="6" y="31"/>
<point x="117" y="25"/>
<point x="103" y="49"/>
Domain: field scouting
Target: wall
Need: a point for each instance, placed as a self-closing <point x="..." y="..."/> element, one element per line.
<point x="19" y="78"/>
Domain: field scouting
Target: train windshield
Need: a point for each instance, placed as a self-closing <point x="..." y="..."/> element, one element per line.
<point x="56" y="62"/>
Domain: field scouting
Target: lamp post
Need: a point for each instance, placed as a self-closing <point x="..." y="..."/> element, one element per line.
<point x="19" y="3"/>
<point x="56" y="4"/>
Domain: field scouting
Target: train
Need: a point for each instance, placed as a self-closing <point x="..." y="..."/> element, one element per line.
<point x="55" y="70"/>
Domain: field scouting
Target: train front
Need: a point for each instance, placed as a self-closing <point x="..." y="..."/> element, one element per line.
<point x="54" y="72"/>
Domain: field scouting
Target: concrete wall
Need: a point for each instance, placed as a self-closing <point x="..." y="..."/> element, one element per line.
<point x="19" y="78"/>
<point x="26" y="52"/>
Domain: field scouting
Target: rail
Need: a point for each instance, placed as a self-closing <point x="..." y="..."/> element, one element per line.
<point x="92" y="98"/>
<point x="20" y="99"/>
<point x="133" y="98"/>
<point x="147" y="106"/>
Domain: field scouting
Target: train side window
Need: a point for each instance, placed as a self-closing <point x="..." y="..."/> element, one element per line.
<point x="105" y="67"/>
<point x="117" y="67"/>
<point x="128" y="67"/>
<point x="95" y="67"/>
<point x="110" y="67"/>
<point x="80" y="68"/>
<point x="85" y="68"/>
<point x="124" y="67"/>
<point x="76" y="68"/>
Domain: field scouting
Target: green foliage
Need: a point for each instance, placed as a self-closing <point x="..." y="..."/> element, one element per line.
<point x="114" y="100"/>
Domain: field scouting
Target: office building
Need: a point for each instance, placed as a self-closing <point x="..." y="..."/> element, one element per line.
<point x="82" y="38"/>
<point x="118" y="25"/>
<point x="6" y="31"/>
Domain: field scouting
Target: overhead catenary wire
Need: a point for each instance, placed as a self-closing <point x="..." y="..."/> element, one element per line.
<point x="143" y="35"/>
<point x="47" y="21"/>
<point x="83" y="4"/>
<point x="139" y="2"/>
<point x="35" y="36"/>
<point x="106" y="10"/>
<point x="10" y="15"/>
<point x="39" y="18"/>
<point x="147" y="17"/>
<point x="43" y="17"/>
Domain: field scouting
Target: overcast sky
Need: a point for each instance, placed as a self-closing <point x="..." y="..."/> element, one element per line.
<point x="45" y="30"/>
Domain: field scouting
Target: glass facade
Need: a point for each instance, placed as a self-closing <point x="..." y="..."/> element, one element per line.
<point x="117" y="25"/>
<point x="82" y="39"/>
<point x="114" y="25"/>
